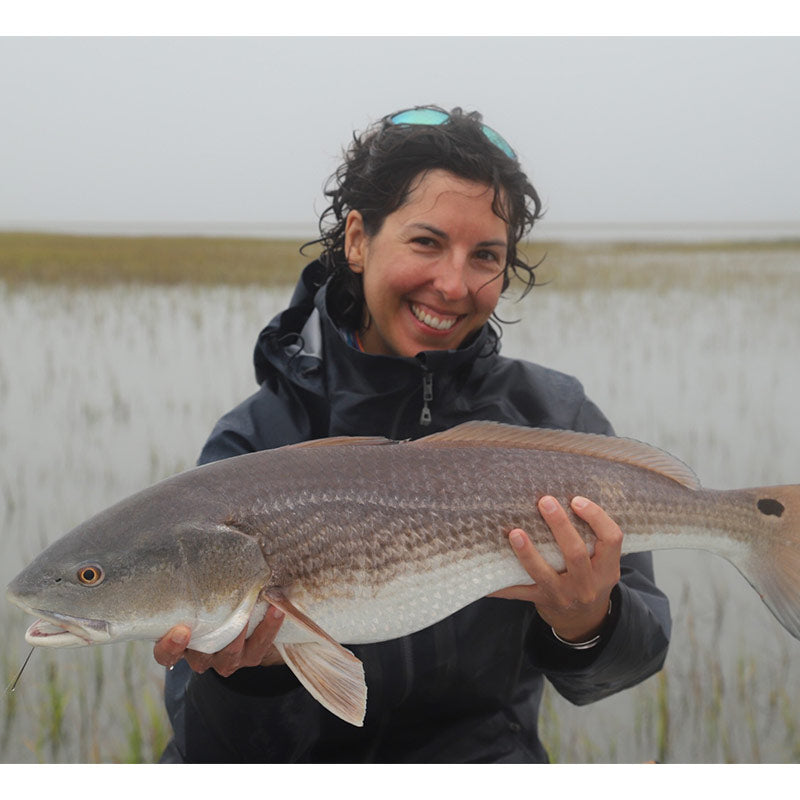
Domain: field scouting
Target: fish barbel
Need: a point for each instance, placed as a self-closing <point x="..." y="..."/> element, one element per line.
<point x="361" y="539"/>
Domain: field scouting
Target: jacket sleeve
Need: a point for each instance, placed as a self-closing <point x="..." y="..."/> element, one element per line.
<point x="272" y="417"/>
<point x="633" y="643"/>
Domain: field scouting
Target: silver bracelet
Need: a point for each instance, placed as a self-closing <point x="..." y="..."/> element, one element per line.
<point x="589" y="643"/>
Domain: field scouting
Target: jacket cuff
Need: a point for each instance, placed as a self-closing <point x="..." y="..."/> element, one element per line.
<point x="548" y="653"/>
<point x="635" y="649"/>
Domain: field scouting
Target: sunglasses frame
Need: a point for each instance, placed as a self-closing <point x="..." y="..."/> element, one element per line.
<point x="424" y="115"/>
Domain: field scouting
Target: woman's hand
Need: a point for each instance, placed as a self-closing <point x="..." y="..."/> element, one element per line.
<point x="574" y="603"/>
<point x="241" y="652"/>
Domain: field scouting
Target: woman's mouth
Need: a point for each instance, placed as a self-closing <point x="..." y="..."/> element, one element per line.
<point x="437" y="321"/>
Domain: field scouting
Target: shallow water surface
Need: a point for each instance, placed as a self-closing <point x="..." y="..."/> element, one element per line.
<point x="104" y="391"/>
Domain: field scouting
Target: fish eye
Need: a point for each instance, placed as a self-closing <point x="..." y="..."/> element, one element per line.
<point x="90" y="574"/>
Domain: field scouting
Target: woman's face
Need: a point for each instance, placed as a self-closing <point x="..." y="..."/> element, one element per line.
<point x="433" y="273"/>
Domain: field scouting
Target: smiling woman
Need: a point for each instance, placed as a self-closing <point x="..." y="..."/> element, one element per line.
<point x="389" y="334"/>
<point x="432" y="275"/>
<point x="388" y="167"/>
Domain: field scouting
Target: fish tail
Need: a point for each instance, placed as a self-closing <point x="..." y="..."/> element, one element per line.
<point x="773" y="567"/>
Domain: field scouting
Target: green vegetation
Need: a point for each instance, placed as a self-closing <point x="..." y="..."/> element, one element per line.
<point x="662" y="265"/>
<point x="103" y="260"/>
<point x="702" y="707"/>
<point x="97" y="705"/>
<point x="684" y="716"/>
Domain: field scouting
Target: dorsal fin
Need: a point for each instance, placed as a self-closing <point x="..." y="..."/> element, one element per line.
<point x="611" y="448"/>
<point x="335" y="441"/>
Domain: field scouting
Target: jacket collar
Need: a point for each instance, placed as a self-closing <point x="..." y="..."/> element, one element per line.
<point x="356" y="384"/>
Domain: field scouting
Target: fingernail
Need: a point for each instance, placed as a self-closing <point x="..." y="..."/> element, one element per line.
<point x="180" y="639"/>
<point x="275" y="612"/>
<point x="579" y="502"/>
<point x="548" y="504"/>
<point x="517" y="540"/>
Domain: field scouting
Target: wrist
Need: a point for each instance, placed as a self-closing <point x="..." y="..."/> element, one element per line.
<point x="588" y="638"/>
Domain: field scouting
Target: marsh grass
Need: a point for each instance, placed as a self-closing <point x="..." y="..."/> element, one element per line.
<point x="658" y="267"/>
<point x="708" y="708"/>
<point x="167" y="260"/>
<point x="64" y="711"/>
<point x="164" y="260"/>
<point x="52" y="734"/>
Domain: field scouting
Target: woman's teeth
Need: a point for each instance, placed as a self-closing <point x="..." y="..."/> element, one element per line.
<point x="433" y="322"/>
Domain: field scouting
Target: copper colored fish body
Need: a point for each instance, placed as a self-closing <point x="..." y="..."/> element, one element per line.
<point x="362" y="540"/>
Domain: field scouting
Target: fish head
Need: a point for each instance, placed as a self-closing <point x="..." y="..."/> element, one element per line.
<point x="124" y="575"/>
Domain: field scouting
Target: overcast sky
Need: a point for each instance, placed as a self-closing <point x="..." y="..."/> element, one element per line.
<point x="179" y="131"/>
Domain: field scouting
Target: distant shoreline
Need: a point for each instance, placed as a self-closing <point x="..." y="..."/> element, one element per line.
<point x="99" y="260"/>
<point x="545" y="230"/>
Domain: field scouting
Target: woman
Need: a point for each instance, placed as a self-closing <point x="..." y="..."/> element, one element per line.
<point x="388" y="333"/>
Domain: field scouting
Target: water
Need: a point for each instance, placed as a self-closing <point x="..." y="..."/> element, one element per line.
<point x="104" y="391"/>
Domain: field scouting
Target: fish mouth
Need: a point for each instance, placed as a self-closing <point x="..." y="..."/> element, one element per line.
<point x="52" y="629"/>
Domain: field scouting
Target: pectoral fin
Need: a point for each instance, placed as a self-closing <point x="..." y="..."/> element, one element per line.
<point x="331" y="673"/>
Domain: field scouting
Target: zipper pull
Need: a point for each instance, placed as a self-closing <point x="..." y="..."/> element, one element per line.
<point x="427" y="395"/>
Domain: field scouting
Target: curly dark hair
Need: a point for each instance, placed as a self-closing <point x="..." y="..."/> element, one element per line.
<point x="376" y="178"/>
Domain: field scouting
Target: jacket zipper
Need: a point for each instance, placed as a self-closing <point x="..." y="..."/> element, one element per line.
<point x="425" y="418"/>
<point x="427" y="396"/>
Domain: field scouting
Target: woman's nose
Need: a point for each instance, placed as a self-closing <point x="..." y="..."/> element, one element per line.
<point x="450" y="277"/>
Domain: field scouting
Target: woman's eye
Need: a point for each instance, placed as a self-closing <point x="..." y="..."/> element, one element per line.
<point x="487" y="255"/>
<point x="425" y="241"/>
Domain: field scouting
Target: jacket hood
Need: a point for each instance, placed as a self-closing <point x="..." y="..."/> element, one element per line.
<point x="305" y="346"/>
<point x="281" y="341"/>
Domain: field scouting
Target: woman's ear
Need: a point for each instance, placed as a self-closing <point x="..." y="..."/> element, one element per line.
<point x="355" y="241"/>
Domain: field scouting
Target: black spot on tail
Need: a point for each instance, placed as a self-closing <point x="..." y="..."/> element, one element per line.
<point x="772" y="507"/>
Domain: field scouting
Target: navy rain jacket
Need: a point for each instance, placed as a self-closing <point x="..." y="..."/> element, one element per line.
<point x="466" y="689"/>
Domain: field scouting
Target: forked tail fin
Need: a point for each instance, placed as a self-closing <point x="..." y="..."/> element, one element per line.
<point x="773" y="568"/>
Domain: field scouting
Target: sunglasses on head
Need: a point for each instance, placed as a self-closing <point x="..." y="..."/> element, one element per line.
<point x="433" y="116"/>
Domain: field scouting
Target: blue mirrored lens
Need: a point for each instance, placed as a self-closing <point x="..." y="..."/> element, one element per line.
<point x="498" y="141"/>
<point x="420" y="116"/>
<point x="432" y="116"/>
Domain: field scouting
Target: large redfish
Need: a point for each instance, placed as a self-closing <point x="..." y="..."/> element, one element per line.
<point x="363" y="539"/>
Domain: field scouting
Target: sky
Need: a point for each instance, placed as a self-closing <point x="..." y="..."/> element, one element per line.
<point x="240" y="133"/>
